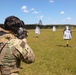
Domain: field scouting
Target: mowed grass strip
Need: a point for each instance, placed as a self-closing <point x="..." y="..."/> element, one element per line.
<point x="52" y="57"/>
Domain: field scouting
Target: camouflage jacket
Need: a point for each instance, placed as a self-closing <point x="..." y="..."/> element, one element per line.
<point x="18" y="50"/>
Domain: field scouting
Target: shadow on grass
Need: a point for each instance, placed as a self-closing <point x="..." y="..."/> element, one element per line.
<point x="63" y="46"/>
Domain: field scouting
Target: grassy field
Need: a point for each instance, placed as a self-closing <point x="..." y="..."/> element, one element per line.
<point x="52" y="58"/>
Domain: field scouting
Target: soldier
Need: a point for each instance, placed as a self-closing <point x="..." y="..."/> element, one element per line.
<point x="14" y="47"/>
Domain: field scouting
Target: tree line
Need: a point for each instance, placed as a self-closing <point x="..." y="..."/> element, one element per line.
<point x="33" y="26"/>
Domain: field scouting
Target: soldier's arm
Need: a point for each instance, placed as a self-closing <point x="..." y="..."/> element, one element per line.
<point x="30" y="56"/>
<point x="26" y="54"/>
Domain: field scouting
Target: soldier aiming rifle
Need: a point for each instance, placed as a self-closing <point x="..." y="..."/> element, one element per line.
<point x="14" y="47"/>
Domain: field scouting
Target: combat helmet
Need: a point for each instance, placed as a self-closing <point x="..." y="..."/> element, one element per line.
<point x="15" y="25"/>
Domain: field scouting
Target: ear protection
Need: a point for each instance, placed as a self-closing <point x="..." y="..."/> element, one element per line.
<point x="21" y="33"/>
<point x="20" y="30"/>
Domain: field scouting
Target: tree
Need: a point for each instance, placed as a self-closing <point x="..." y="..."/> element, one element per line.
<point x="40" y="22"/>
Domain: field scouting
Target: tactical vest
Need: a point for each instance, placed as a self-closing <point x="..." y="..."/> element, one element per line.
<point x="16" y="50"/>
<point x="9" y="61"/>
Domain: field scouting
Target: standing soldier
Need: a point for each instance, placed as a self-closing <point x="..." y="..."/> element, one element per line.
<point x="14" y="47"/>
<point x="67" y="35"/>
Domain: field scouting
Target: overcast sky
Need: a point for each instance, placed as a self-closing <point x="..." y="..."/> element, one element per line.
<point x="31" y="11"/>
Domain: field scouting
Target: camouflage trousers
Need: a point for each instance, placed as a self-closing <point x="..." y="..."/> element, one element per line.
<point x="10" y="74"/>
<point x="7" y="71"/>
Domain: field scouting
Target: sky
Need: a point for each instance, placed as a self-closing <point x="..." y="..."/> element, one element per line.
<point x="31" y="11"/>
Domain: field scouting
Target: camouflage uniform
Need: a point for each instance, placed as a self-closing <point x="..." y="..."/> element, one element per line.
<point x="18" y="50"/>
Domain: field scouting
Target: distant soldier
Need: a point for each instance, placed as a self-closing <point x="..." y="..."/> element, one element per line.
<point x="37" y="31"/>
<point x="67" y="34"/>
<point x="14" y="47"/>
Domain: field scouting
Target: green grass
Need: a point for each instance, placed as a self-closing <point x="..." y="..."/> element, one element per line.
<point x="52" y="58"/>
